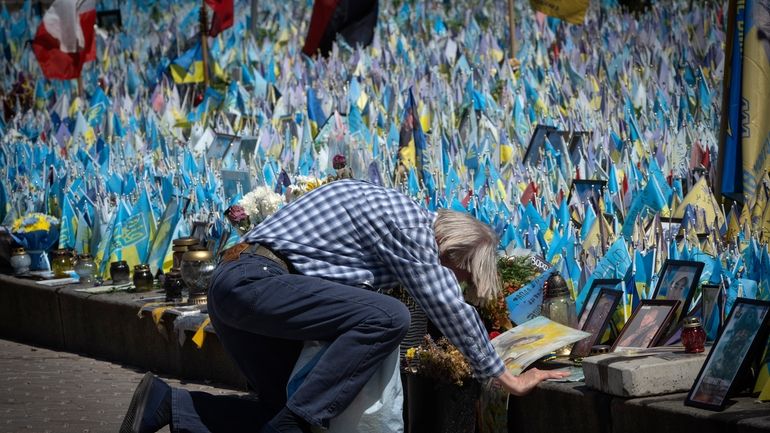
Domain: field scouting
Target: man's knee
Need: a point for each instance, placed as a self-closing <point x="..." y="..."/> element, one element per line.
<point x="399" y="316"/>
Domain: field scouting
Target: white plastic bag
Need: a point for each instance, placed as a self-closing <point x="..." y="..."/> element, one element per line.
<point x="376" y="409"/>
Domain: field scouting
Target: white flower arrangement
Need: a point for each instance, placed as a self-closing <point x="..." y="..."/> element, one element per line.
<point x="261" y="203"/>
<point x="301" y="186"/>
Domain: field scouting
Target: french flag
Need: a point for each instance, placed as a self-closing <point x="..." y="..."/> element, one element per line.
<point x="65" y="38"/>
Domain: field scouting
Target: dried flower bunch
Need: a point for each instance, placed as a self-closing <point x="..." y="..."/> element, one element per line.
<point x="438" y="360"/>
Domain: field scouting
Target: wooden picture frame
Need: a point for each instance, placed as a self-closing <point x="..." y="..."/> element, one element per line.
<point x="230" y="181"/>
<point x="220" y="146"/>
<point x="647" y="325"/>
<point x="593" y="292"/>
<point x="109" y="20"/>
<point x="681" y="277"/>
<point x="601" y="312"/>
<point x="536" y="143"/>
<point x="744" y="336"/>
<point x="711" y="308"/>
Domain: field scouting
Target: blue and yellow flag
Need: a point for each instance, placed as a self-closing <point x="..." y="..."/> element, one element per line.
<point x="188" y="68"/>
<point x="162" y="239"/>
<point x="69" y="224"/>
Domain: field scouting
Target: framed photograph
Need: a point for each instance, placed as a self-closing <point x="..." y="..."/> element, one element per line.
<point x="670" y="227"/>
<point x="601" y="312"/>
<point x="109" y="19"/>
<point x="593" y="293"/>
<point x="537" y="143"/>
<point x="234" y="181"/>
<point x="678" y="280"/>
<point x="220" y="146"/>
<point x="586" y="189"/>
<point x="745" y="335"/>
<point x="247" y="149"/>
<point x="647" y="325"/>
<point x="577" y="142"/>
<point x="711" y="310"/>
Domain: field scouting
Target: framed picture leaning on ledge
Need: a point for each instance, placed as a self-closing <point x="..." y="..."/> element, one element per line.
<point x="742" y="340"/>
<point x="647" y="324"/>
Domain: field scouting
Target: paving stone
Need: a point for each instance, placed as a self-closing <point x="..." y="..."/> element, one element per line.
<point x="44" y="390"/>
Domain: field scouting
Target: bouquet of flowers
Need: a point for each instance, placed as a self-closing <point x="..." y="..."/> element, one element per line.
<point x="514" y="272"/>
<point x="253" y="208"/>
<point x="37" y="233"/>
<point x="238" y="218"/>
<point x="438" y="360"/>
<point x="301" y="186"/>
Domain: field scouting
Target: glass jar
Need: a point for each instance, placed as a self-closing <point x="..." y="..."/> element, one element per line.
<point x="181" y="246"/>
<point x="142" y="278"/>
<point x="559" y="306"/>
<point x="197" y="268"/>
<point x="85" y="268"/>
<point x="61" y="263"/>
<point x="120" y="272"/>
<point x="20" y="261"/>
<point x="693" y="335"/>
<point x="173" y="285"/>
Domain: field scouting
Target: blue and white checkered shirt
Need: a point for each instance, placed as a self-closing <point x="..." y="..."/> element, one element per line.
<point x="359" y="234"/>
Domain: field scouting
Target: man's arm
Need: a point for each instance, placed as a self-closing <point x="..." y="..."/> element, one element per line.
<point x="412" y="256"/>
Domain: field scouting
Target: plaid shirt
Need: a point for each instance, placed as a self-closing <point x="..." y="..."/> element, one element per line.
<point x="360" y="234"/>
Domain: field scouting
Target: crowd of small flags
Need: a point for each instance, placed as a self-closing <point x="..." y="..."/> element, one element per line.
<point x="594" y="148"/>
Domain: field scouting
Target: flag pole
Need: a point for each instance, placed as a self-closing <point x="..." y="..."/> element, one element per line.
<point x="254" y="13"/>
<point x="512" y="28"/>
<point x="204" y="42"/>
<point x="80" y="85"/>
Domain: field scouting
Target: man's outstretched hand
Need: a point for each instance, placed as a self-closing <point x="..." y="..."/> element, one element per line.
<point x="527" y="381"/>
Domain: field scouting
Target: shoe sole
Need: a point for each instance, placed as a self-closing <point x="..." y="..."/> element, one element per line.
<point x="133" y="419"/>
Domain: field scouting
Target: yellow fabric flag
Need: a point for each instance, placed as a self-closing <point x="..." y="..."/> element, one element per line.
<point x="408" y="155"/>
<point x="571" y="11"/>
<point x="200" y="334"/>
<point x="157" y="314"/>
<point x="182" y="76"/>
<point x="506" y="153"/>
<point x="701" y="196"/>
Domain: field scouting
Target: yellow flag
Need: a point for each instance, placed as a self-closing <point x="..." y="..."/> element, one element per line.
<point x="701" y="196"/>
<point x="200" y="334"/>
<point x="571" y="11"/>
<point x="506" y="153"/>
<point x="407" y="155"/>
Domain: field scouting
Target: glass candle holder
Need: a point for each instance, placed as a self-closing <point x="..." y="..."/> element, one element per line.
<point x="693" y="335"/>
<point x="20" y="261"/>
<point x="85" y="268"/>
<point x="61" y="263"/>
<point x="143" y="279"/>
<point x="173" y="285"/>
<point x="180" y="247"/>
<point x="119" y="272"/>
<point x="197" y="269"/>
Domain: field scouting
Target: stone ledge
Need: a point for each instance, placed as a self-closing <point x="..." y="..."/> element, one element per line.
<point x="108" y="326"/>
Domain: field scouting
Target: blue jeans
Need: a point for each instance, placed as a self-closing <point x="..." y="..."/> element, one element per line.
<point x="262" y="316"/>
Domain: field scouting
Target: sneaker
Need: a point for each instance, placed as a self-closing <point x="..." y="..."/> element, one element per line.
<point x="150" y="408"/>
<point x="286" y="422"/>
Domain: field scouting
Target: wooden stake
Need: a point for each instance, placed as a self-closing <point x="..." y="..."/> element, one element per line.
<point x="254" y="16"/>
<point x="512" y="28"/>
<point x="80" y="86"/>
<point x="204" y="19"/>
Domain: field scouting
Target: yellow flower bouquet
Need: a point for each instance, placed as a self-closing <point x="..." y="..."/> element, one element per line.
<point x="37" y="233"/>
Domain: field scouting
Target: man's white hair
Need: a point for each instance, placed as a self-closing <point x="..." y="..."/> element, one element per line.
<point x="469" y="245"/>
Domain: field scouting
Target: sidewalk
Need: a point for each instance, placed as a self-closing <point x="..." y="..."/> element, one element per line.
<point x="43" y="390"/>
